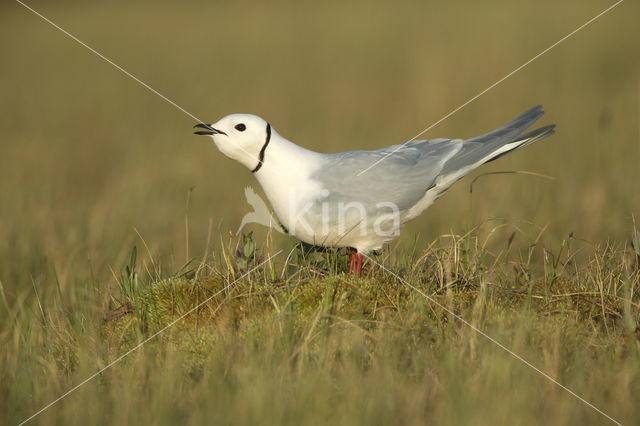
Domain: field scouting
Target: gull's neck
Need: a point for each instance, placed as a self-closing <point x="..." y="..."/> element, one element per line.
<point x="285" y="175"/>
<point x="286" y="162"/>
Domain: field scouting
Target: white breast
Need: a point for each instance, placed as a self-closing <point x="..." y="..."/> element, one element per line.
<point x="299" y="201"/>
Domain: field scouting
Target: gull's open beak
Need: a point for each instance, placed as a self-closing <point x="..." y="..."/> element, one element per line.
<point x="210" y="130"/>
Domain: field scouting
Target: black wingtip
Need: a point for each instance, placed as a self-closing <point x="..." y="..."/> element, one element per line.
<point x="539" y="133"/>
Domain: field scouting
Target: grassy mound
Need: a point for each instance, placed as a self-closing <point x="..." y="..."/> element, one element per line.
<point x="301" y="342"/>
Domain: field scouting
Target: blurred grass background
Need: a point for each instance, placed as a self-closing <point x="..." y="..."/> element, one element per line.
<point x="87" y="155"/>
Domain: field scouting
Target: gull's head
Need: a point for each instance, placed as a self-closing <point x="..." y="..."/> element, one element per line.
<point x="240" y="137"/>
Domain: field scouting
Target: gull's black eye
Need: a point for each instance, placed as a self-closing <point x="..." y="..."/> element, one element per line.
<point x="241" y="127"/>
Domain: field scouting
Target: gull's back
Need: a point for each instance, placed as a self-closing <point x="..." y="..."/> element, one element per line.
<point x="414" y="174"/>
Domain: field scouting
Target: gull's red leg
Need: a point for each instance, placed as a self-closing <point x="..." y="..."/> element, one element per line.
<point x="353" y="258"/>
<point x="359" y="265"/>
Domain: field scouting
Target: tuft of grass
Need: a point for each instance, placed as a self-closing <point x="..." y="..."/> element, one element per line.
<point x="314" y="345"/>
<point x="321" y="346"/>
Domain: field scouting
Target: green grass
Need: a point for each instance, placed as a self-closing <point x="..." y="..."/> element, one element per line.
<point x="92" y="164"/>
<point x="318" y="346"/>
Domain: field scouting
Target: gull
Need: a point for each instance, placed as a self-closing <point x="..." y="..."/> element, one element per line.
<point x="327" y="200"/>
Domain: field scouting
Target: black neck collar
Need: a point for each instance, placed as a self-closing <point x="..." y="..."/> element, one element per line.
<point x="264" y="147"/>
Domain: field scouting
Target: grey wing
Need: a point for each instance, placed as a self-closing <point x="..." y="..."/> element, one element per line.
<point x="402" y="174"/>
<point x="402" y="177"/>
<point x="491" y="146"/>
